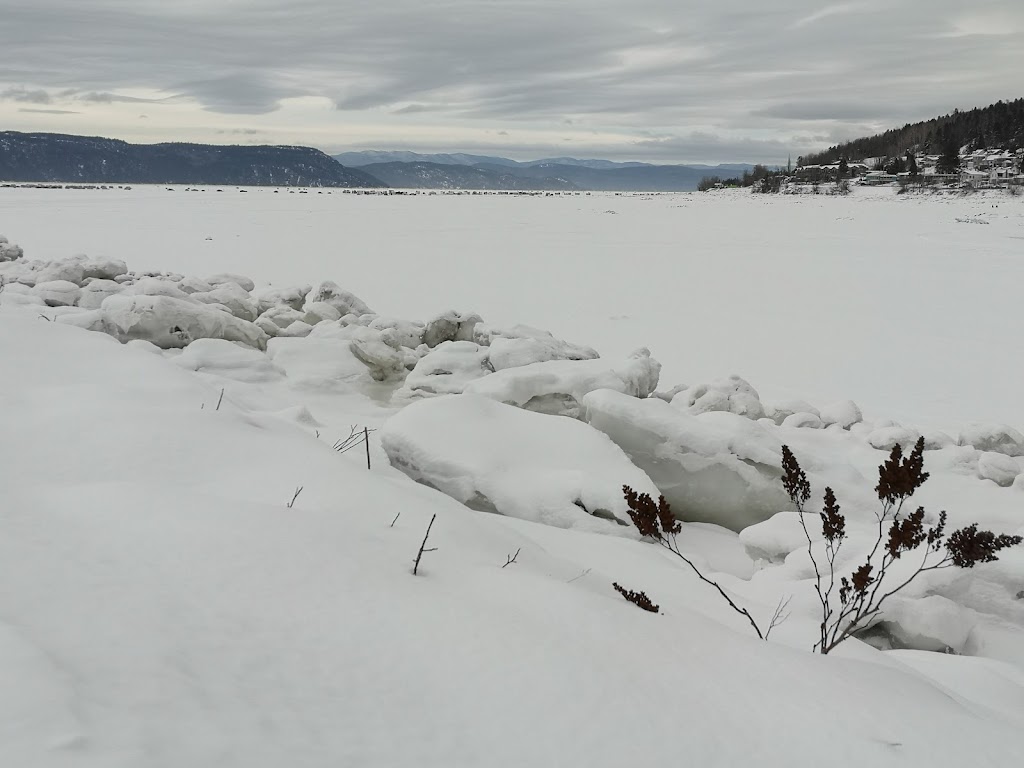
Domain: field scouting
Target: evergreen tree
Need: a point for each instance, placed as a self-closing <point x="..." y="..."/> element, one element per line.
<point x="844" y="168"/>
<point x="949" y="160"/>
<point x="912" y="165"/>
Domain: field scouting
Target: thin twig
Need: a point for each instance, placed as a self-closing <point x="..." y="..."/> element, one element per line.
<point x="780" y="615"/>
<point x="295" y="496"/>
<point x="423" y="548"/>
<point x="366" y="441"/>
<point x="395" y="520"/>
<point x="582" y="573"/>
<point x="509" y="559"/>
<point x="220" y="399"/>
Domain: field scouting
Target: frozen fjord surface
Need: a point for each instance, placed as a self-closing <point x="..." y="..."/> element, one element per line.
<point x="907" y="305"/>
<point x="161" y="606"/>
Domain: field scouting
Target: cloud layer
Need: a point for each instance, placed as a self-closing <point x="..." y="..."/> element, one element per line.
<point x="662" y="80"/>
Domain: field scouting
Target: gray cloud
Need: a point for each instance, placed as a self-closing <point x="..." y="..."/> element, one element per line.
<point x="759" y="75"/>
<point x="50" y="111"/>
<point x="24" y="95"/>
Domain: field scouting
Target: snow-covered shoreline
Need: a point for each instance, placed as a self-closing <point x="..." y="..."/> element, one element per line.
<point x="163" y="604"/>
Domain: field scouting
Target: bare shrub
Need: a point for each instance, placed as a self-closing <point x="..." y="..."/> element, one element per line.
<point x="850" y="603"/>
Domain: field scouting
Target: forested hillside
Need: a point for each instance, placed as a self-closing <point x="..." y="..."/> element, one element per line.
<point x="999" y="125"/>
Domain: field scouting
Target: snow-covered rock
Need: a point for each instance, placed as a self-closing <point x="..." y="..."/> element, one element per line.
<point x="496" y="458"/>
<point x="171" y="323"/>
<point x="558" y="386"/>
<point x="9" y="298"/>
<point x="95" y="291"/>
<point x="803" y="421"/>
<point x="57" y="293"/>
<point x="668" y="394"/>
<point x="229" y="360"/>
<point x="103" y="268"/>
<point x="158" y="286"/>
<point x="378" y="351"/>
<point x="450" y="326"/>
<point x="291" y="296"/>
<point x="446" y="370"/>
<point x="405" y="333"/>
<point x="774" y="538"/>
<point x="998" y="438"/>
<point x="274" y="320"/>
<point x="65" y="270"/>
<point x="192" y="285"/>
<point x="344" y="302"/>
<point x="779" y="412"/>
<point x="223" y="278"/>
<point x="885" y="438"/>
<point x="234" y="297"/>
<point x="298" y="329"/>
<point x="318" y="311"/>
<point x="512" y="353"/>
<point x="716" y="467"/>
<point x="9" y="251"/>
<point x="999" y="468"/>
<point x="936" y="440"/>
<point x="732" y="394"/>
<point x="845" y="413"/>
<point x="319" y="363"/>
<point x="931" y="623"/>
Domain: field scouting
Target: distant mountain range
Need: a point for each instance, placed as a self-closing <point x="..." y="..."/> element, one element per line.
<point x="411" y="170"/>
<point x="51" y="157"/>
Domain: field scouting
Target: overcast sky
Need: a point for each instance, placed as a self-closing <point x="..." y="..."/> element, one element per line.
<point x="653" y="80"/>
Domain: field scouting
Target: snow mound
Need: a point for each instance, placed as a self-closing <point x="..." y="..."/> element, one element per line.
<point x="450" y="326"/>
<point x="9" y="251"/>
<point x="845" y="414"/>
<point x="803" y="421"/>
<point x="780" y="411"/>
<point x="732" y="394"/>
<point x="559" y="386"/>
<point x="278" y="318"/>
<point x="224" y="278"/>
<point x="497" y="458"/>
<point x="170" y="322"/>
<point x="103" y="268"/>
<point x="999" y="468"/>
<point x="344" y="302"/>
<point x="291" y="296"/>
<point x="446" y="370"/>
<point x="57" y="293"/>
<point x="95" y="291"/>
<point x="228" y="359"/>
<point x="886" y="438"/>
<point x="997" y="438"/>
<point x="775" y="538"/>
<point x="234" y="297"/>
<point x="716" y="467"/>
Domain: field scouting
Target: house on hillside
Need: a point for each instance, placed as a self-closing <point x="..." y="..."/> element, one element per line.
<point x="828" y="172"/>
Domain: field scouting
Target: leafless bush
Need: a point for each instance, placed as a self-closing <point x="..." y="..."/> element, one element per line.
<point x="656" y="521"/>
<point x="862" y="593"/>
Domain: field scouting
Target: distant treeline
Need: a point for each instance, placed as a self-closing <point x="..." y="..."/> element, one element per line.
<point x="761" y="178"/>
<point x="1000" y="125"/>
